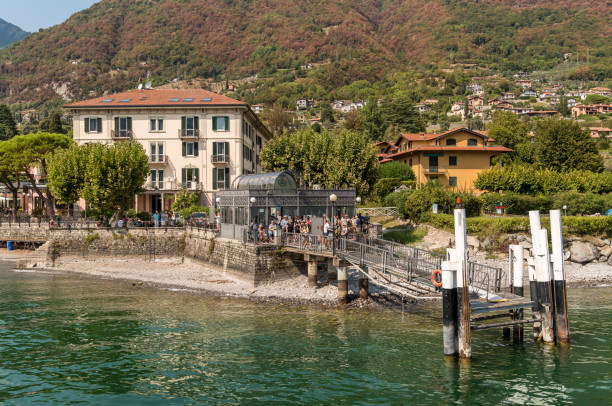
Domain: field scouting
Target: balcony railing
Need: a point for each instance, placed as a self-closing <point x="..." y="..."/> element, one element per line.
<point x="158" y="159"/>
<point x="163" y="185"/>
<point x="193" y="185"/>
<point x="435" y="169"/>
<point x="186" y="133"/>
<point x="121" y="134"/>
<point x="220" y="159"/>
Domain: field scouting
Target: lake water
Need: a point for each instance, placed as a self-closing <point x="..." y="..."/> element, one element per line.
<point x="66" y="339"/>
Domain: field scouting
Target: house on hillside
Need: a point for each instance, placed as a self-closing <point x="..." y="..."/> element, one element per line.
<point x="602" y="91"/>
<point x="529" y="93"/>
<point x="454" y="158"/>
<point x="258" y="108"/>
<point x="304" y="104"/>
<point x="430" y="102"/>
<point x="590" y="109"/>
<point x="524" y="84"/>
<point x="600" y="132"/>
<point x="457" y="109"/>
<point x="475" y="101"/>
<point x="476" y="89"/>
<point x="195" y="139"/>
<point x="423" y="108"/>
<point x="509" y="96"/>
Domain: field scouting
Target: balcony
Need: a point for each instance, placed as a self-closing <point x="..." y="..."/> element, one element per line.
<point x="188" y="134"/>
<point x="158" y="160"/>
<point x="163" y="185"/>
<point x="222" y="159"/>
<point x="435" y="170"/>
<point x="193" y="185"/>
<point x="122" y="134"/>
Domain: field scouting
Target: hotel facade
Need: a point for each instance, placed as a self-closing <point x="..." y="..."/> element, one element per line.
<point x="195" y="139"/>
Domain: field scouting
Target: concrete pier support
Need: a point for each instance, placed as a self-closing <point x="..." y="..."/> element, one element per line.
<point x="332" y="271"/>
<point x="312" y="273"/>
<point x="559" y="288"/>
<point x="342" y="285"/>
<point x="363" y="287"/>
<point x="449" y="307"/>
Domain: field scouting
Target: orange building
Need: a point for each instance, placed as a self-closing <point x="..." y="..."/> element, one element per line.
<point x="455" y="158"/>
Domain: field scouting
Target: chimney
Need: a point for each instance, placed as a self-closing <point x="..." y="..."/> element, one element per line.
<point x="422" y="136"/>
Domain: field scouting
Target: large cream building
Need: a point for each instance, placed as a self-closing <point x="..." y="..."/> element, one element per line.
<point x="195" y="139"/>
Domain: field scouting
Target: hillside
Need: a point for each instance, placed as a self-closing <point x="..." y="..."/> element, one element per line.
<point x="10" y="33"/>
<point x="109" y="46"/>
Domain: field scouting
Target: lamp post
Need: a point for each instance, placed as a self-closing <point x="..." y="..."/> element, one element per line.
<point x="332" y="199"/>
<point x="564" y="210"/>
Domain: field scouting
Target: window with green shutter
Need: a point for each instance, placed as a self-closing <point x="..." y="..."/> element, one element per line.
<point x="221" y="123"/>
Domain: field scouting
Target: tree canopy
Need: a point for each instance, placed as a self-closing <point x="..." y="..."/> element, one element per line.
<point x="345" y="159"/>
<point x="8" y="127"/>
<point x="396" y="169"/>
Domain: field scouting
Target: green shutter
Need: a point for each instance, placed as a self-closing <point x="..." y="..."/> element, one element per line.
<point x="99" y="125"/>
<point x="226" y="123"/>
<point x="86" y="125"/>
<point x="184" y="177"/>
<point x="184" y="149"/>
<point x="183" y="122"/>
<point x="214" y="123"/>
<point x="196" y="123"/>
<point x="197" y="175"/>
<point x="215" y="178"/>
<point x="129" y="123"/>
<point x="227" y="178"/>
<point x="195" y="149"/>
<point x="227" y="152"/>
<point x="116" y="124"/>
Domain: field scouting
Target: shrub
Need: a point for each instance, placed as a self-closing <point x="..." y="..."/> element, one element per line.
<point x="420" y="202"/>
<point x="384" y="186"/>
<point x="410" y="184"/>
<point x="577" y="225"/>
<point x="397" y="170"/>
<point x="396" y="199"/>
<point x="582" y="203"/>
<point x="131" y="213"/>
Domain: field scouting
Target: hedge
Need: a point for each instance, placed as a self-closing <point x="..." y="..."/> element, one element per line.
<point x="384" y="186"/>
<point x="574" y="225"/>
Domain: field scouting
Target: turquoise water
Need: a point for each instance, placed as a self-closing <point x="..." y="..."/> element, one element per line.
<point x="66" y="339"/>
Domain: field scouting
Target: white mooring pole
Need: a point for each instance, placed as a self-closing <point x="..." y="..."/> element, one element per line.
<point x="559" y="288"/>
<point x="463" y="293"/>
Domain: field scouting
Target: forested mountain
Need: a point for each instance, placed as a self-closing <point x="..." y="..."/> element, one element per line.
<point x="10" y="33"/>
<point x="109" y="46"/>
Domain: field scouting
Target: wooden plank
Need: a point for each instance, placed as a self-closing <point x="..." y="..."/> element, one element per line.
<point x="501" y="307"/>
<point x="504" y="324"/>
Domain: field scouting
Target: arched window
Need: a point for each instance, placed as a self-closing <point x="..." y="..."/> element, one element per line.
<point x="451" y="142"/>
<point x="472" y="142"/>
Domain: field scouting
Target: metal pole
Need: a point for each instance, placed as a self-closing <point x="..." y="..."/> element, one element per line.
<point x="463" y="294"/>
<point x="449" y="307"/>
<point x="333" y="231"/>
<point x="560" y="288"/>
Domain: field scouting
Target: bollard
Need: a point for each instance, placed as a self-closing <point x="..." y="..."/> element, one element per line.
<point x="463" y="295"/>
<point x="543" y="275"/>
<point x="312" y="273"/>
<point x="449" y="308"/>
<point x="517" y="266"/>
<point x="342" y="285"/>
<point x="559" y="288"/>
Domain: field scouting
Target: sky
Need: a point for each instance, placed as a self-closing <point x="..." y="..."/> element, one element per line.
<point x="30" y="15"/>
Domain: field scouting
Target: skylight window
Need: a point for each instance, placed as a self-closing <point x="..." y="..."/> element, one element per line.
<point x="107" y="100"/>
<point x="125" y="100"/>
<point x="143" y="98"/>
<point x="206" y="99"/>
<point x="174" y="99"/>
<point x="187" y="100"/>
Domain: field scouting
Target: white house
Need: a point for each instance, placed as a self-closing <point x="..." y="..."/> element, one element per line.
<point x="195" y="139"/>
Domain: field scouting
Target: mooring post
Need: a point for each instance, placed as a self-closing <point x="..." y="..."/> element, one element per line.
<point x="535" y="308"/>
<point x="517" y="266"/>
<point x="463" y="293"/>
<point x="560" y="288"/>
<point x="342" y="285"/>
<point x="363" y="283"/>
<point x="449" y="305"/>
<point x="312" y="273"/>
<point x="543" y="277"/>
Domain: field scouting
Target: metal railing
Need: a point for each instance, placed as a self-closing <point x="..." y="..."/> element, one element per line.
<point x="220" y="159"/>
<point x="122" y="134"/>
<point x="158" y="159"/>
<point x="378" y="211"/>
<point x="188" y="133"/>
<point x="484" y="278"/>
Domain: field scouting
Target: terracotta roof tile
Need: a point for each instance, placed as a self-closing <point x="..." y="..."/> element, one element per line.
<point x="158" y="97"/>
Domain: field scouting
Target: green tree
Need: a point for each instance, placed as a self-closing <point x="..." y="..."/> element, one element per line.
<point x="66" y="173"/>
<point x="507" y="130"/>
<point x="402" y="113"/>
<point x="563" y="107"/>
<point x="184" y="199"/>
<point x="30" y="151"/>
<point x="475" y="123"/>
<point x="277" y="119"/>
<point x="10" y="175"/>
<point x="563" y="145"/>
<point x="53" y="124"/>
<point x="8" y="128"/>
<point x="597" y="99"/>
<point x="327" y="114"/>
<point x="396" y="170"/>
<point x="372" y="120"/>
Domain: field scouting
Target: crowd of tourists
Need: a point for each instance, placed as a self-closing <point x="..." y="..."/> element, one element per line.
<point x="341" y="226"/>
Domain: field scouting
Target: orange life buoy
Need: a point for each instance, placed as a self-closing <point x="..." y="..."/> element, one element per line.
<point x="434" y="280"/>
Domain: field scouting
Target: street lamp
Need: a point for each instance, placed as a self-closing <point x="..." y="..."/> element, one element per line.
<point x="564" y="210"/>
<point x="358" y="199"/>
<point x="332" y="199"/>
